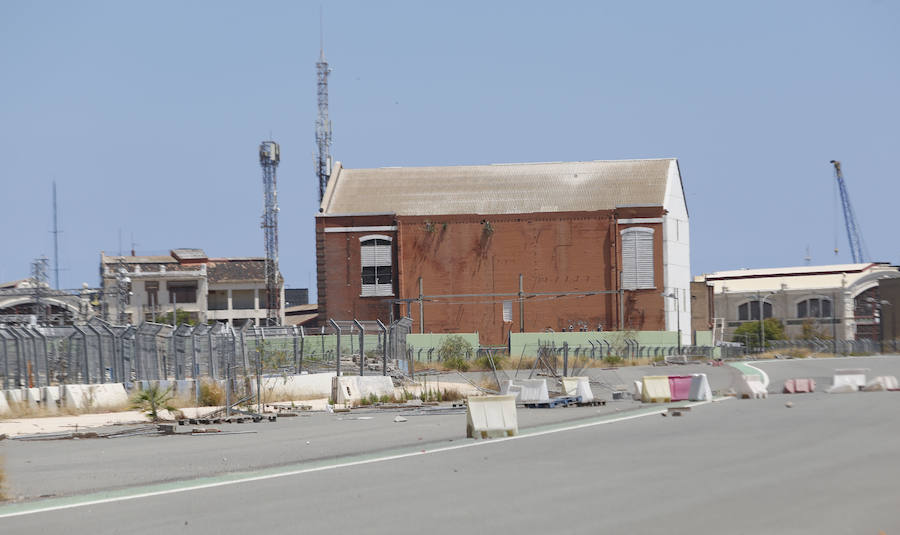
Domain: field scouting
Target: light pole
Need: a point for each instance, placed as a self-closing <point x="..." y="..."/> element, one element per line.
<point x="884" y="303"/>
<point x="674" y="295"/>
<point x="761" y="303"/>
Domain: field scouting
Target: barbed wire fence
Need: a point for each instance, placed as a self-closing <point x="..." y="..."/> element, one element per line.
<point x="101" y="352"/>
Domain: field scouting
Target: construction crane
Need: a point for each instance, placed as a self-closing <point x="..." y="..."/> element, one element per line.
<point x="857" y="246"/>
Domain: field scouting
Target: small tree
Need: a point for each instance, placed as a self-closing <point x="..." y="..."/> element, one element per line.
<point x="180" y="316"/>
<point x="452" y="352"/>
<point x="152" y="400"/>
<point x="749" y="332"/>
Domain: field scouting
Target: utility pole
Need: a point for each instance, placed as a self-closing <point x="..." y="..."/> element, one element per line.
<point x="762" y="322"/>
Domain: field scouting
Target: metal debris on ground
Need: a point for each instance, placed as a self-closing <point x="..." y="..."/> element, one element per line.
<point x="552" y="403"/>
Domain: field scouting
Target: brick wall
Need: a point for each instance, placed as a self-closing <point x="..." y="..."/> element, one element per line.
<point x="473" y="254"/>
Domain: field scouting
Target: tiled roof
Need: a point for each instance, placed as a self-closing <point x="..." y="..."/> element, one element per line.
<point x="231" y="270"/>
<point x="498" y="189"/>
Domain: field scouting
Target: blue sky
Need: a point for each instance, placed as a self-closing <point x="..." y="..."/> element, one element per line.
<point x="148" y="115"/>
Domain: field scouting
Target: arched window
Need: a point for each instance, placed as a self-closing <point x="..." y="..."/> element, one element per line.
<point x="375" y="256"/>
<point x="637" y="258"/>
<point x="750" y="311"/>
<point x="817" y="307"/>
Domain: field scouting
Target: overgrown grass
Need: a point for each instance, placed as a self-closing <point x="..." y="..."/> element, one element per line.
<point x="427" y="395"/>
<point x="211" y="394"/>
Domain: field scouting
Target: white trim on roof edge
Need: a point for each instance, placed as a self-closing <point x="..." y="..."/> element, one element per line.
<point x="361" y="229"/>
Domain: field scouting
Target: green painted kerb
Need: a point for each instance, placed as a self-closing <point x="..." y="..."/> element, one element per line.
<point x="746" y="370"/>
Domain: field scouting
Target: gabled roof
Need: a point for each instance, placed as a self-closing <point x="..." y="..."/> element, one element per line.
<point x="499" y="188"/>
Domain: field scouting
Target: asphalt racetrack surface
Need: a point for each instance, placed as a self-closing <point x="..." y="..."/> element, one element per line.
<point x="826" y="464"/>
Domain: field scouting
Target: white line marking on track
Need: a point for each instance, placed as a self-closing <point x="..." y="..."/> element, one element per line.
<point x="188" y="487"/>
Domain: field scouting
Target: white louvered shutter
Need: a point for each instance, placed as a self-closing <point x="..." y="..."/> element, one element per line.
<point x="637" y="258"/>
<point x="375" y="258"/>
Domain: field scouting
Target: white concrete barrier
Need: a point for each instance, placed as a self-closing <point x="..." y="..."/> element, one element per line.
<point x="533" y="390"/>
<point x="94" y="397"/>
<point x="848" y="380"/>
<point x="700" y="390"/>
<point x="751" y="386"/>
<point x="50" y="398"/>
<point x="295" y="387"/>
<point x="638" y="390"/>
<point x="656" y="389"/>
<point x="578" y="386"/>
<point x="507" y="388"/>
<point x="32" y="397"/>
<point x="491" y="417"/>
<point x="15" y="396"/>
<point x="4" y="406"/>
<point x="881" y="383"/>
<point x="347" y="389"/>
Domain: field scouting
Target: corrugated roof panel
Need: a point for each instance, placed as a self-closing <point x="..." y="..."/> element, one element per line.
<point x="498" y="189"/>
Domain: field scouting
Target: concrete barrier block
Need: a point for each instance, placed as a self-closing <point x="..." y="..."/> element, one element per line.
<point x="94" y="397"/>
<point x="50" y="397"/>
<point x="680" y="387"/>
<point x="296" y="387"/>
<point x="491" y="417"/>
<point x="15" y="396"/>
<point x="32" y="397"/>
<point x="751" y="387"/>
<point x="881" y="383"/>
<point x="655" y="389"/>
<point x="4" y="406"/>
<point x="347" y="389"/>
<point x="700" y="390"/>
<point x="533" y="390"/>
<point x="508" y="388"/>
<point x="638" y="390"/>
<point x="855" y="377"/>
<point x="578" y="386"/>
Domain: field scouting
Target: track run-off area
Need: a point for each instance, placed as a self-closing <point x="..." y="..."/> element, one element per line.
<point x="826" y="464"/>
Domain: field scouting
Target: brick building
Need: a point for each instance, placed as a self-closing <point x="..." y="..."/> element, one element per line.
<point x="512" y="247"/>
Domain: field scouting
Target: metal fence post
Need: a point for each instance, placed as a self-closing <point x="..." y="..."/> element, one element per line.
<point x="5" y="360"/>
<point x="565" y="359"/>
<point x="337" y="329"/>
<point x="296" y="352"/>
<point x="384" y="347"/>
<point x="302" y="349"/>
<point x="362" y="346"/>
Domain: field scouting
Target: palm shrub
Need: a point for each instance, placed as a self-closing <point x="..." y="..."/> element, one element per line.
<point x="152" y="400"/>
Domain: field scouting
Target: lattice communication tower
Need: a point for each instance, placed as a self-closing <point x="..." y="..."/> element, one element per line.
<point x="323" y="125"/>
<point x="269" y="156"/>
<point x="40" y="280"/>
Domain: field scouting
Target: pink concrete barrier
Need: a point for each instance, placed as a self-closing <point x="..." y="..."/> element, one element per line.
<point x="799" y="386"/>
<point x="680" y="385"/>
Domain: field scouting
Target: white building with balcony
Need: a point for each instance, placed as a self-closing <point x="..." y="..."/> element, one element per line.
<point x="206" y="289"/>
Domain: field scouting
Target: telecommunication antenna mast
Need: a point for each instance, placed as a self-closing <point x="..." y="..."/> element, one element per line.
<point x="269" y="156"/>
<point x="40" y="280"/>
<point x="55" y="233"/>
<point x="323" y="124"/>
<point x="857" y="246"/>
